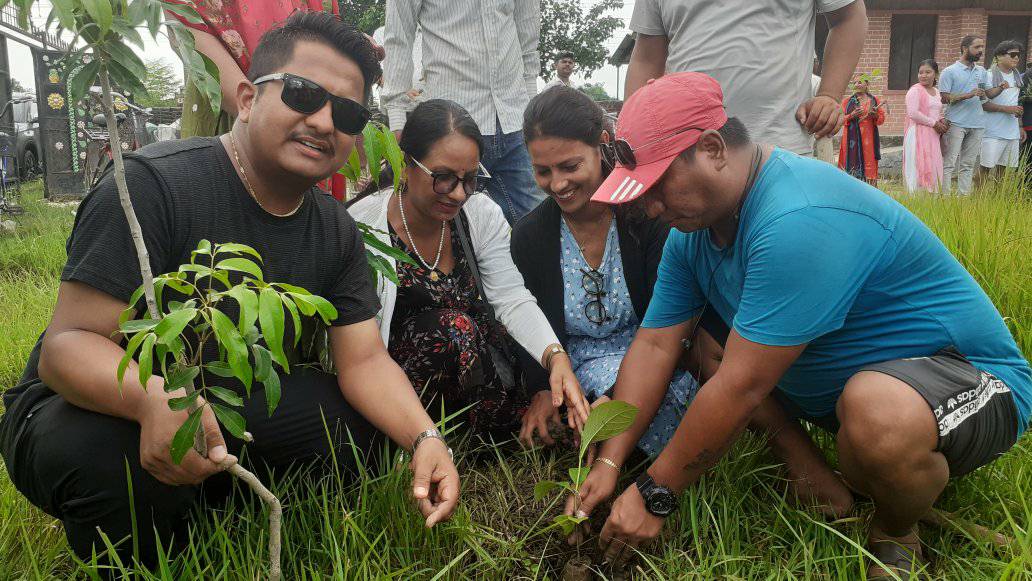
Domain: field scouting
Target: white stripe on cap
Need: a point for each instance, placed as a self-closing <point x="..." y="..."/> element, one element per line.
<point x="628" y="189"/>
<point x="634" y="194"/>
<point x="616" y="192"/>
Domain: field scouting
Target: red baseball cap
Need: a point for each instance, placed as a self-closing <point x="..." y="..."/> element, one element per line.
<point x="658" y="122"/>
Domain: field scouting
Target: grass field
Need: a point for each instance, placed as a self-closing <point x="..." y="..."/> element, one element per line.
<point x="736" y="524"/>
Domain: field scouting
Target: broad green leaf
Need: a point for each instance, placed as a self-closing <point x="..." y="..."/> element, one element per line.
<point x="242" y="265"/>
<point x="605" y="421"/>
<point x="100" y="12"/>
<point x="248" y="301"/>
<point x="578" y="475"/>
<point x="292" y="309"/>
<point x="147" y="358"/>
<point x="262" y="362"/>
<point x="219" y="368"/>
<point x="181" y="376"/>
<point x="137" y="13"/>
<point x="80" y="80"/>
<point x="270" y="315"/>
<point x="229" y="337"/>
<point x="131" y="309"/>
<point x="372" y="142"/>
<point x="173" y="324"/>
<point x="544" y="488"/>
<point x="125" y="57"/>
<point x="233" y="247"/>
<point x="383" y="266"/>
<point x="130" y="349"/>
<point x="154" y="16"/>
<point x="122" y="27"/>
<point x="184" y="438"/>
<point x="252" y="334"/>
<point x="189" y="13"/>
<point x="291" y="288"/>
<point x="227" y="395"/>
<point x="203" y="247"/>
<point x="137" y="325"/>
<point x="178" y="404"/>
<point x="372" y="241"/>
<point x="65" y="10"/>
<point x="272" y="391"/>
<point x="233" y="421"/>
<point x="568" y="523"/>
<point x="352" y="170"/>
<point x="394" y="156"/>
<point x="207" y="80"/>
<point x="127" y="81"/>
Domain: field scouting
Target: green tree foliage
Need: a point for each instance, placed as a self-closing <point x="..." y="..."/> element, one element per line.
<point x="567" y="26"/>
<point x="163" y="83"/>
<point x="596" y="91"/>
<point x="365" y="15"/>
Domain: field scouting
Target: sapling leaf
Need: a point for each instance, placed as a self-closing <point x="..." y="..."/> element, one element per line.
<point x="219" y="368"/>
<point x="173" y="324"/>
<point x="248" y="301"/>
<point x="203" y="248"/>
<point x="242" y="265"/>
<point x="262" y="362"/>
<point x="352" y="170"/>
<point x="100" y="12"/>
<point x="270" y="315"/>
<point x="233" y="421"/>
<point x="579" y="475"/>
<point x="372" y="241"/>
<point x="227" y="395"/>
<point x="318" y="304"/>
<point x="381" y="265"/>
<point x="65" y="10"/>
<point x="138" y="325"/>
<point x="130" y="350"/>
<point x="129" y="82"/>
<point x="184" y="437"/>
<point x="372" y="142"/>
<point x="568" y="523"/>
<point x="292" y="309"/>
<point x="236" y="350"/>
<point x="181" y="376"/>
<point x="137" y="12"/>
<point x="251" y="335"/>
<point x="154" y="16"/>
<point x="544" y="488"/>
<point x="81" y="79"/>
<point x="235" y="248"/>
<point x="605" y="421"/>
<point x="178" y="404"/>
<point x="272" y="391"/>
<point x="189" y="13"/>
<point x="147" y="357"/>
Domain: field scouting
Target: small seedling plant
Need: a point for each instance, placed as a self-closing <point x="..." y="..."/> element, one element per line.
<point x="605" y="421"/>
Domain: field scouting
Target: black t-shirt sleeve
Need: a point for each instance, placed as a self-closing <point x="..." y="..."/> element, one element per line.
<point x="353" y="293"/>
<point x="100" y="249"/>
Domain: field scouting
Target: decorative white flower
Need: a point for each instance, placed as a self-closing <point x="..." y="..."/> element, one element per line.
<point x="82" y="155"/>
<point x="58" y="145"/>
<point x="125" y="146"/>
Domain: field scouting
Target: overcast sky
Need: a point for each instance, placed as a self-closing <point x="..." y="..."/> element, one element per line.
<point x="21" y="58"/>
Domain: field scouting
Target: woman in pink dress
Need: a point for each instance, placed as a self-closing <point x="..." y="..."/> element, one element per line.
<point x="922" y="153"/>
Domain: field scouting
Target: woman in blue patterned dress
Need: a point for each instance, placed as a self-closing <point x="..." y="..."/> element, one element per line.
<point x="591" y="270"/>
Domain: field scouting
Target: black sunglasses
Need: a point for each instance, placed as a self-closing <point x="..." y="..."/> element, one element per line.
<point x="625" y="153"/>
<point x="1014" y="54"/>
<point x="592" y="282"/>
<point x="445" y="181"/>
<point x="307" y="97"/>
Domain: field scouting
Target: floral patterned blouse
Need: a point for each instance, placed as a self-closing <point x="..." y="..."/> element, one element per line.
<point x="597" y="349"/>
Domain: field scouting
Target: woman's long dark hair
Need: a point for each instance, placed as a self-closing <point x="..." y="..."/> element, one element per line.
<point x="429" y="123"/>
<point x="567" y="113"/>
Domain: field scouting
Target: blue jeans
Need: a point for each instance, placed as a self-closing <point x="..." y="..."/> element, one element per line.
<point x="512" y="184"/>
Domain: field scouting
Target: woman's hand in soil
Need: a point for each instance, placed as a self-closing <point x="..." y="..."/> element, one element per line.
<point x="629" y="524"/>
<point x="158" y="424"/>
<point x="539" y="415"/>
<point x="435" y="481"/>
<point x="566" y="389"/>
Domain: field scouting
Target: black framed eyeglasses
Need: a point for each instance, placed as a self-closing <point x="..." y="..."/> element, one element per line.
<point x="445" y="181"/>
<point x="307" y="97"/>
<point x="625" y="153"/>
<point x="593" y="284"/>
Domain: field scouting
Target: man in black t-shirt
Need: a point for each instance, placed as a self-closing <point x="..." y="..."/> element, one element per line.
<point x="69" y="431"/>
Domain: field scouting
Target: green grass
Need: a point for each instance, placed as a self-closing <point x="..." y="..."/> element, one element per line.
<point x="736" y="524"/>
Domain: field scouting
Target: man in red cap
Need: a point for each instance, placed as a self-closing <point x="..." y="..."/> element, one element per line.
<point x="844" y="310"/>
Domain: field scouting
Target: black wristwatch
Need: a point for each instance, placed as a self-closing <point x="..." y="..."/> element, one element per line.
<point x="659" y="500"/>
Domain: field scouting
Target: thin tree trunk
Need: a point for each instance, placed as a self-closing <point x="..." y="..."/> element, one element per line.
<point x="136" y="232"/>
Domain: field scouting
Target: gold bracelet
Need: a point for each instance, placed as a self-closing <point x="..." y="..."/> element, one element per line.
<point x="608" y="462"/>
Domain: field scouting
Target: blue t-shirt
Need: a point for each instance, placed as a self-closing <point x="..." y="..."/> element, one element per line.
<point x="825" y="259"/>
<point x="957" y="79"/>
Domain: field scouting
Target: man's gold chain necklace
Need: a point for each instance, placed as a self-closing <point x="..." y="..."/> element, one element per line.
<point x="250" y="190"/>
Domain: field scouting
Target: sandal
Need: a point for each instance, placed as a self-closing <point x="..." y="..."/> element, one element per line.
<point x="897" y="560"/>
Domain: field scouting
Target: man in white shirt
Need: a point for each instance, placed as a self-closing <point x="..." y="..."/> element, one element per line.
<point x="563" y="69"/>
<point x="483" y="55"/>
<point x="415" y="93"/>
<point x="756" y="49"/>
<point x="1003" y="112"/>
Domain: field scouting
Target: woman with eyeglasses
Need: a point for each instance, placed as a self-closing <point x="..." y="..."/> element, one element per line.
<point x="452" y="343"/>
<point x="591" y="269"/>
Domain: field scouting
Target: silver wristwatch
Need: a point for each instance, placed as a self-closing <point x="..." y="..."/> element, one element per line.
<point x="431" y="433"/>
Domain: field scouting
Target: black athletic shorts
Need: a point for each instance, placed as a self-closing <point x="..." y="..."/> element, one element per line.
<point x="975" y="411"/>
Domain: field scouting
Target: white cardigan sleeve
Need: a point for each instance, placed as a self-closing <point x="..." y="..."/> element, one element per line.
<point x="514" y="305"/>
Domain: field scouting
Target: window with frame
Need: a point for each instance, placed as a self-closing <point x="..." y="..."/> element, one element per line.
<point x="911" y="40"/>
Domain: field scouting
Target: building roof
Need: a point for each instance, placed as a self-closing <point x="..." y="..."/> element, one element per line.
<point x="622" y="54"/>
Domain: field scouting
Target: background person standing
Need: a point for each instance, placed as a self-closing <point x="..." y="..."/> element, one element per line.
<point x="483" y="55"/>
<point x="860" y="149"/>
<point x="563" y="69"/>
<point x="922" y="153"/>
<point x="756" y="48"/>
<point x="1003" y="112"/>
